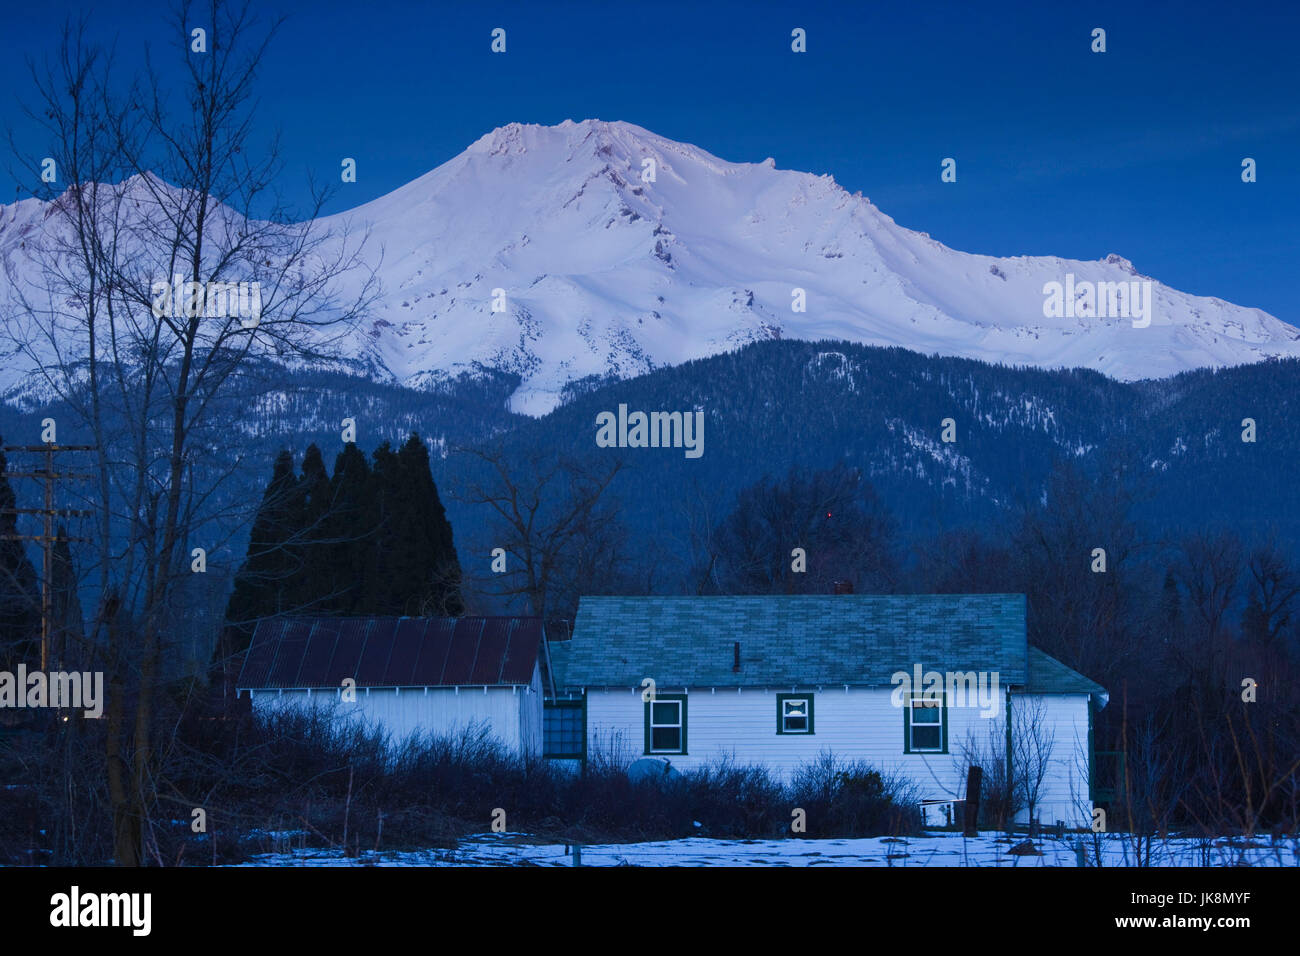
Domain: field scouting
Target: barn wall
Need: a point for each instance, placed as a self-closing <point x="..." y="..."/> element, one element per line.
<point x="441" y="711"/>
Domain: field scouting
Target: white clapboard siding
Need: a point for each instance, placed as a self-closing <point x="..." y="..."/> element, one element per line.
<point x="512" y="714"/>
<point x="860" y="724"/>
<point x="530" y="716"/>
<point x="1063" y="723"/>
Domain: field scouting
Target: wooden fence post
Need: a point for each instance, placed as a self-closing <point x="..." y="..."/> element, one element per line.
<point x="974" y="776"/>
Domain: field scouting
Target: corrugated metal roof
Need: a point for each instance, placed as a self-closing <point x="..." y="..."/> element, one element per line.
<point x="792" y="640"/>
<point x="392" y="652"/>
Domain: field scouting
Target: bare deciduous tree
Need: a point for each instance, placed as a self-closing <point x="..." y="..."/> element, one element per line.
<point x="702" y="545"/>
<point x="1085" y="618"/>
<point x="1000" y="798"/>
<point x="560" y="534"/>
<point x="834" y="515"/>
<point x="1273" y="585"/>
<point x="1032" y="747"/>
<point x="169" y="184"/>
<point x="1152" y="788"/>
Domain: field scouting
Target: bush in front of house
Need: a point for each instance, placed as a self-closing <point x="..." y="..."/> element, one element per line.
<point x="852" y="799"/>
<point x="298" y="779"/>
<point x="732" y="800"/>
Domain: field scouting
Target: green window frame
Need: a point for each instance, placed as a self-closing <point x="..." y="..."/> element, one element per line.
<point x="793" y="719"/>
<point x="934" y="711"/>
<point x="665" y="724"/>
<point x="550" y="731"/>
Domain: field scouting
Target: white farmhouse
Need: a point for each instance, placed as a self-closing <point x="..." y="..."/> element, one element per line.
<point x="775" y="680"/>
<point x="405" y="675"/>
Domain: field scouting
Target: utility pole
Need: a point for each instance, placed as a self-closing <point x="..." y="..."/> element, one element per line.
<point x="47" y="538"/>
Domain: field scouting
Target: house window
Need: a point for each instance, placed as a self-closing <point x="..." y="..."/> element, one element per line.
<point x="925" y="725"/>
<point x="564" y="729"/>
<point x="665" y="724"/>
<point x="794" y="713"/>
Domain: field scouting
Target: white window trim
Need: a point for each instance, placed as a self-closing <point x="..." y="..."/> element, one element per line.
<point x="807" y="712"/>
<point x="924" y="703"/>
<point x="677" y="725"/>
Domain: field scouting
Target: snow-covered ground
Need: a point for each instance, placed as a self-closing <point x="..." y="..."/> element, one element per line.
<point x="935" y="849"/>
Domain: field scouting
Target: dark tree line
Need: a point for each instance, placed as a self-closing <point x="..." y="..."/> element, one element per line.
<point x="372" y="538"/>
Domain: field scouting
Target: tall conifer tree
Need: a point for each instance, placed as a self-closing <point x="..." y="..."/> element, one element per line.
<point x="351" y="534"/>
<point x="364" y="541"/>
<point x="263" y="585"/>
<point x="393" y="567"/>
<point x="309" y="586"/>
<point x="417" y="568"/>
<point x="436" y="582"/>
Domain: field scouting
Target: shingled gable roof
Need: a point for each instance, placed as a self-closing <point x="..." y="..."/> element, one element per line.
<point x="790" y="640"/>
<point x="1047" y="675"/>
<point x="391" y="652"/>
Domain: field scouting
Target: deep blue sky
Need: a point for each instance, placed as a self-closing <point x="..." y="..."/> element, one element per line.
<point x="1060" y="151"/>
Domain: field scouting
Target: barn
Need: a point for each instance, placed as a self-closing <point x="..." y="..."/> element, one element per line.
<point x="405" y="675"/>
<point x="777" y="680"/>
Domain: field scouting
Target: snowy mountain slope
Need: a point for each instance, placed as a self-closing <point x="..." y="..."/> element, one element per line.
<point x="605" y="274"/>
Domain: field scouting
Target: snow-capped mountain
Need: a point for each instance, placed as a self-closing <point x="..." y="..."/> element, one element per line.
<point x="606" y="273"/>
<point x="593" y="270"/>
